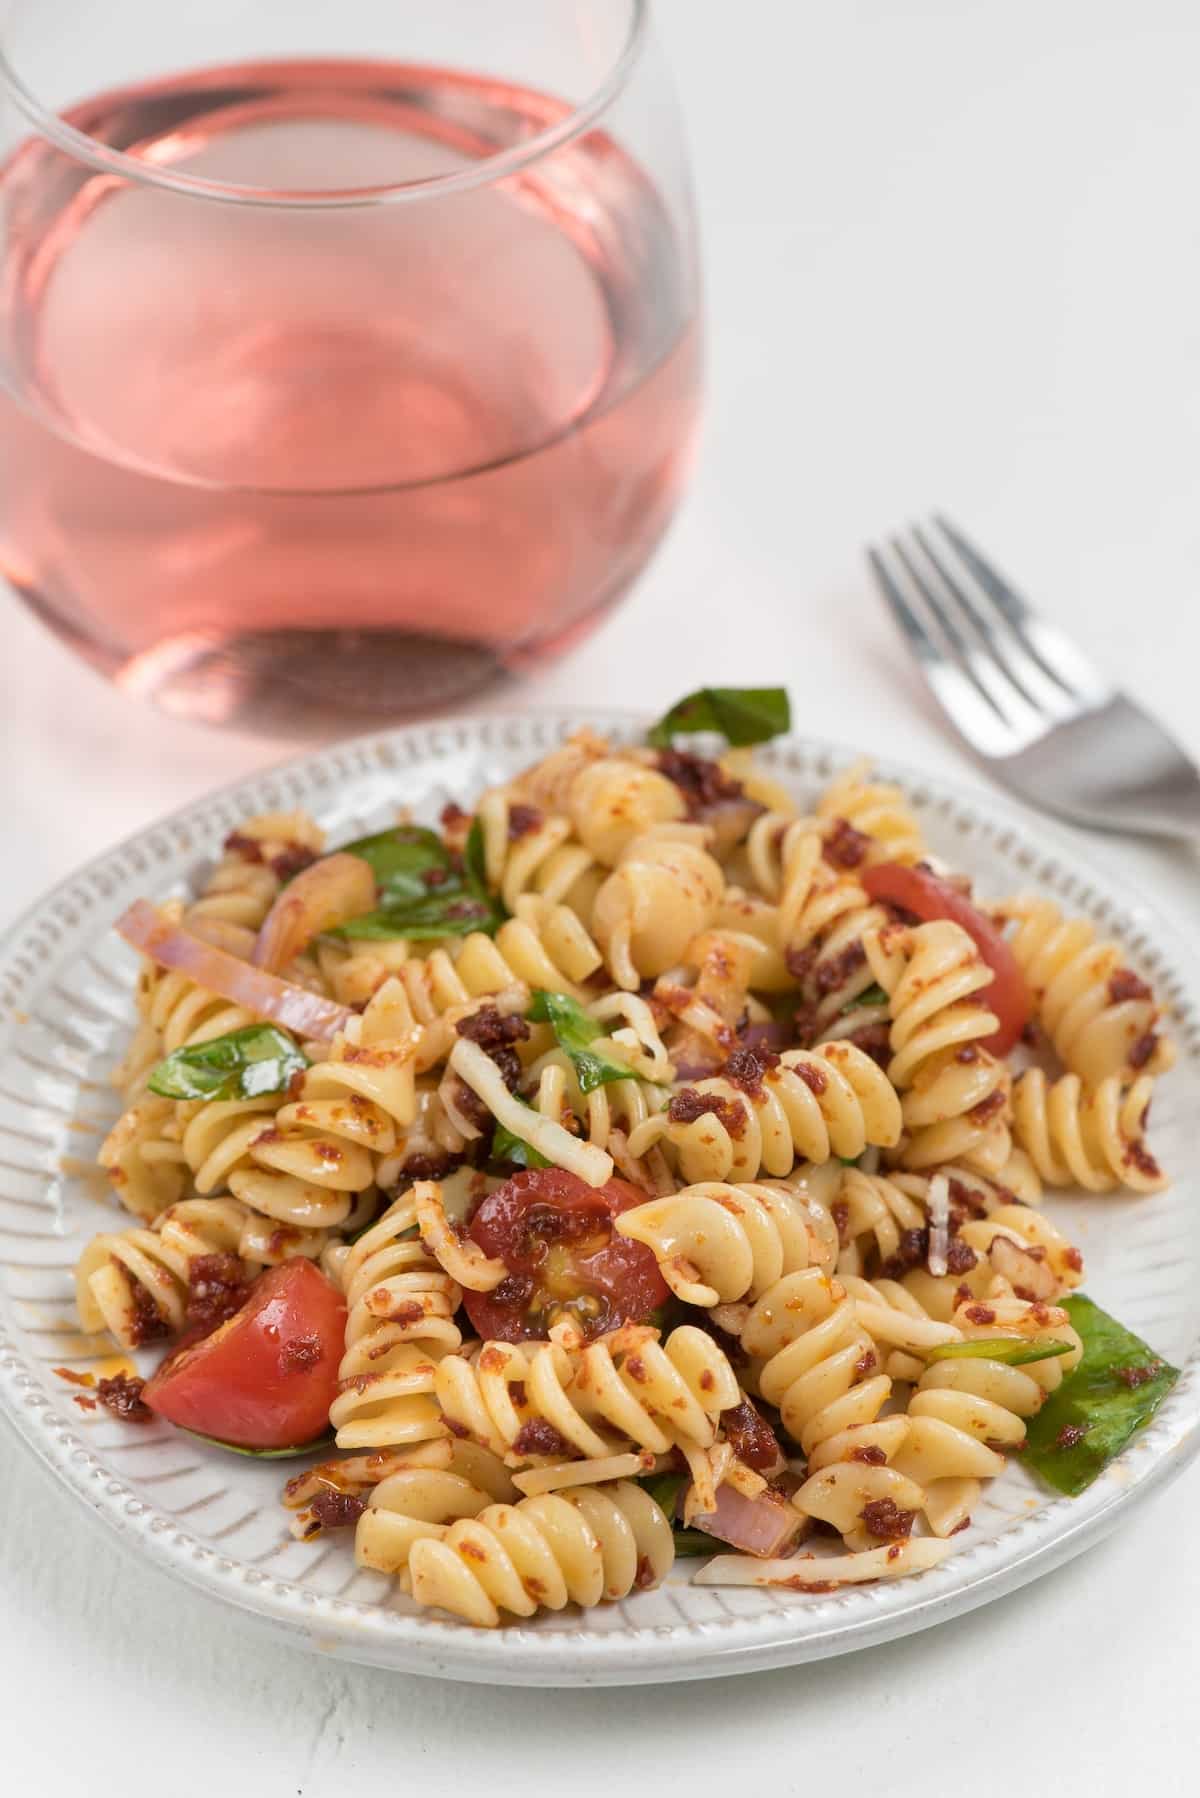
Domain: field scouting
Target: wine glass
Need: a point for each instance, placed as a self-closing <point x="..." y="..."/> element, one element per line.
<point x="352" y="353"/>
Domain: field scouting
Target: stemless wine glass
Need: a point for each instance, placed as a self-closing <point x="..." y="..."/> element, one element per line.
<point x="351" y="351"/>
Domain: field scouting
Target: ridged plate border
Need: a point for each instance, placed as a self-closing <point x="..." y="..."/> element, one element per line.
<point x="680" y="1632"/>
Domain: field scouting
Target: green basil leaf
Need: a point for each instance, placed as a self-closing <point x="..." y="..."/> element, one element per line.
<point x="474" y="858"/>
<point x="695" y="1542"/>
<point x="1009" y="1349"/>
<point x="741" y="715"/>
<point x="246" y="1064"/>
<point x="263" y="1454"/>
<point x="400" y="858"/>
<point x="1116" y="1389"/>
<point x="425" y="892"/>
<point x="514" y="1151"/>
<point x="664" y="1489"/>
<point x="444" y="913"/>
<point x="574" y="1031"/>
<point x="874" y="995"/>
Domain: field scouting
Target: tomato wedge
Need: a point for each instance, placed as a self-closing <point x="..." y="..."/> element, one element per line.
<point x="924" y="893"/>
<point x="555" y="1235"/>
<point x="268" y="1375"/>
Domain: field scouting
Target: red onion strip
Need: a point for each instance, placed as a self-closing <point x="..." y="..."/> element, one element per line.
<point x="305" y="1013"/>
<point x="331" y="891"/>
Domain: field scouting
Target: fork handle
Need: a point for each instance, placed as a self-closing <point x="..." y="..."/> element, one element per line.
<point x="1135" y="778"/>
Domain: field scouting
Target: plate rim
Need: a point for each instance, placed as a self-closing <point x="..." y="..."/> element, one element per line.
<point x="687" y="1649"/>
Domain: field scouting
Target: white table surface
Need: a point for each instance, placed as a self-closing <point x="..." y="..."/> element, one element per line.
<point x="953" y="258"/>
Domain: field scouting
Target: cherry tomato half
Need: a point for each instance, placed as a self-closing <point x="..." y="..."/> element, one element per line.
<point x="268" y="1375"/>
<point x="922" y="892"/>
<point x="555" y="1235"/>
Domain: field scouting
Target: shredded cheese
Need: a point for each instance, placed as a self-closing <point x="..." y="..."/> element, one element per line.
<point x="939" y="1226"/>
<point x="550" y="1140"/>
<point x="583" y="1473"/>
<point x="888" y="1562"/>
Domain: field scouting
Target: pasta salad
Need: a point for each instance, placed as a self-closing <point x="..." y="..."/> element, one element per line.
<point x="634" y="1167"/>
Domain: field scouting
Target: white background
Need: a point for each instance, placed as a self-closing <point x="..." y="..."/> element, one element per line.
<point x="954" y="258"/>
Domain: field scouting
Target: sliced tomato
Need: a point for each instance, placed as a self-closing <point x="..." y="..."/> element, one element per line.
<point x="928" y="897"/>
<point x="268" y="1375"/>
<point x="555" y="1235"/>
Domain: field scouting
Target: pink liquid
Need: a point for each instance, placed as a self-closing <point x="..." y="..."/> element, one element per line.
<point x="278" y="466"/>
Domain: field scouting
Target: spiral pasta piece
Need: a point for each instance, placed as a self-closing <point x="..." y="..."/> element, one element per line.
<point x="665" y="890"/>
<point x="548" y="784"/>
<point x="965" y="1410"/>
<point x="526" y="851"/>
<point x="616" y="800"/>
<point x="1101" y="1017"/>
<point x="308" y="1162"/>
<point x="956" y="1094"/>
<point x="716" y="1244"/>
<point x="711" y="1008"/>
<point x="134" y="1283"/>
<point x="305" y="1176"/>
<point x="543" y="945"/>
<point x="243" y="886"/>
<point x="373" y="1064"/>
<point x="626" y="1388"/>
<point x="584" y="1547"/>
<point x="820" y="1368"/>
<point x="400" y="1308"/>
<point x="144" y="1159"/>
<point x="876" y="809"/>
<point x="1095" y="1139"/>
<point x="824" y="916"/>
<point x="815" y="1103"/>
<point x="873" y="1213"/>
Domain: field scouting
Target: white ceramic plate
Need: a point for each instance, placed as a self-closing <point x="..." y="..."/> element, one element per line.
<point x="213" y="1520"/>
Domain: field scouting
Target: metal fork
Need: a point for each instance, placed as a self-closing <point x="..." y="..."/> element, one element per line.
<point x="1043" y="720"/>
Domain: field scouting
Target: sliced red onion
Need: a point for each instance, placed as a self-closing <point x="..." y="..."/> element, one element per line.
<point x="760" y="1526"/>
<point x="235" y="939"/>
<point x="305" y="1013"/>
<point x="328" y="893"/>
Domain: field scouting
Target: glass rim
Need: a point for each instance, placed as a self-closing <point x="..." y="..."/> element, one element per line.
<point x="78" y="144"/>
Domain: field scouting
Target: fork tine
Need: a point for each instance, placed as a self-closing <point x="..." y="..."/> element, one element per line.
<point x="933" y="660"/>
<point x="1006" y="599"/>
<point x="911" y="629"/>
<point x="1001" y="651"/>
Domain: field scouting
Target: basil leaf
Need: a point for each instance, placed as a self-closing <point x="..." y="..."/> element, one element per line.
<point x="1009" y="1349"/>
<point x="664" y="1489"/>
<point x="474" y="858"/>
<point x="246" y="1064"/>
<point x="1117" y="1387"/>
<point x="399" y="859"/>
<point x="874" y="995"/>
<point x="574" y="1030"/>
<point x="262" y="1454"/>
<point x="425" y="892"/>
<point x="514" y="1150"/>
<point x="741" y="715"/>
<point x="695" y="1542"/>
<point x="444" y="913"/>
